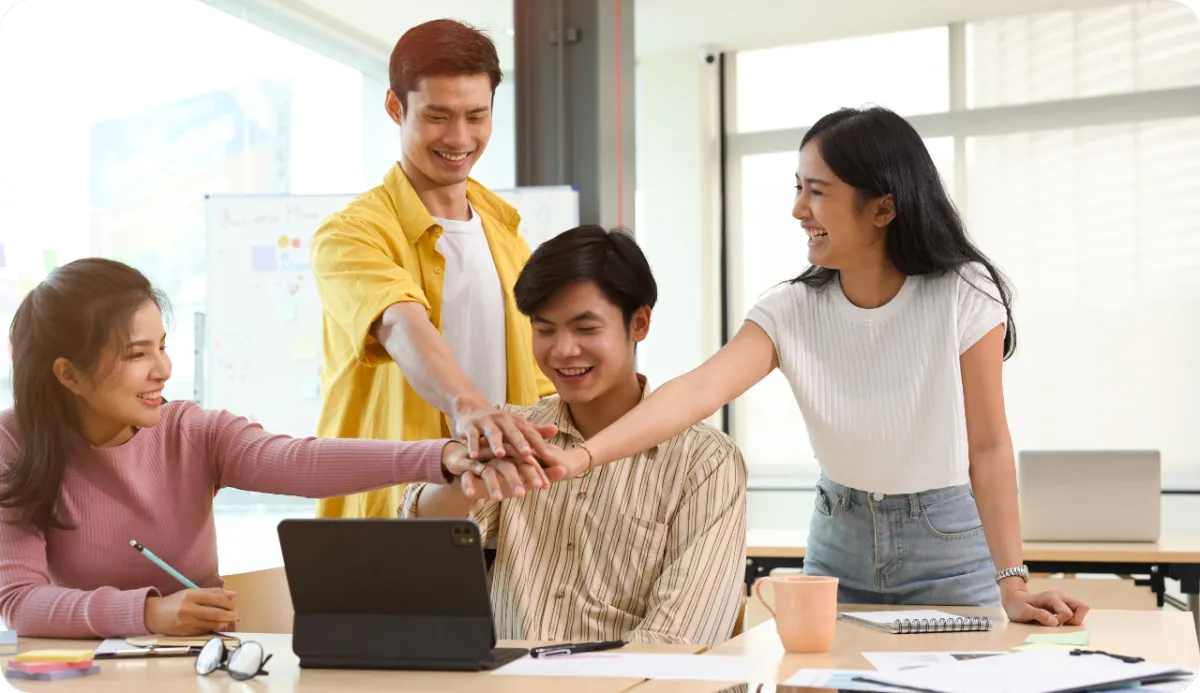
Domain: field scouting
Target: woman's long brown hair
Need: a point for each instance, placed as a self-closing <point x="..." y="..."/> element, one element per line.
<point x="81" y="312"/>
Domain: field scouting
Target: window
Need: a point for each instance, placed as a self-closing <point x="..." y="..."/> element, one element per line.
<point x="1068" y="55"/>
<point x="112" y="152"/>
<point x="793" y="86"/>
<point x="1099" y="230"/>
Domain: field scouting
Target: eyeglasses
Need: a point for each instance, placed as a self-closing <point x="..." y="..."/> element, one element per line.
<point x="244" y="663"/>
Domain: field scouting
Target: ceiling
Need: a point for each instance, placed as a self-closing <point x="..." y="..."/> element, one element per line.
<point x="676" y="26"/>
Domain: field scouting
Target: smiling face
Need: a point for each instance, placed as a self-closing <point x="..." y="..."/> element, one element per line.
<point x="444" y="128"/>
<point x="581" y="342"/>
<point x="125" y="390"/>
<point x="842" y="226"/>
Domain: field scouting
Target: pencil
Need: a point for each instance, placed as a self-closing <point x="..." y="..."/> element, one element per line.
<point x="162" y="564"/>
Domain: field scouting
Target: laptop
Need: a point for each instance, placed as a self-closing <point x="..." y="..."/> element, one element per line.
<point x="1110" y="495"/>
<point x="390" y="594"/>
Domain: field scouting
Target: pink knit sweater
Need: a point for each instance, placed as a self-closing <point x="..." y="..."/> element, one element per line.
<point x="158" y="488"/>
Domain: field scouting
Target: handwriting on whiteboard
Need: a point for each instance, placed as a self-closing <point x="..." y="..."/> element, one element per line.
<point x="292" y="214"/>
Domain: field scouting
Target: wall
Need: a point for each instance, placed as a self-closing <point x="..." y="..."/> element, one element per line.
<point x="678" y="175"/>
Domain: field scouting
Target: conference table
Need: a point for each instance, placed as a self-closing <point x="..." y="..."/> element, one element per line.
<point x="1160" y="636"/>
<point x="178" y="674"/>
<point x="1171" y="557"/>
<point x="1165" y="637"/>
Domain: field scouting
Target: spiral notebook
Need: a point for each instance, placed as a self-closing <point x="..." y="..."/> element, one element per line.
<point x="904" y="622"/>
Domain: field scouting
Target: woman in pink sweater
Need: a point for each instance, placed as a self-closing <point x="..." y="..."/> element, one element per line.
<point x="91" y="456"/>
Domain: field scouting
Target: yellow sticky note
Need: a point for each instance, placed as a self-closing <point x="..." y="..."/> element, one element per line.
<point x="1053" y="647"/>
<point x="54" y="656"/>
<point x="1079" y="637"/>
<point x="304" y="346"/>
<point x="50" y="260"/>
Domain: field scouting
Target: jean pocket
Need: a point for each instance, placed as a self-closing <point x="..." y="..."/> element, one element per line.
<point x="824" y="504"/>
<point x="953" y="518"/>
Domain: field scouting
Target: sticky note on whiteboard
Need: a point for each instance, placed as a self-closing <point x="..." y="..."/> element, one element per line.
<point x="2" y="261"/>
<point x="262" y="257"/>
<point x="304" y="346"/>
<point x="285" y="309"/>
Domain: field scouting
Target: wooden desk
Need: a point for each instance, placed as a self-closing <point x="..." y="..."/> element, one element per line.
<point x="1166" y="637"/>
<point x="1174" y="557"/>
<point x="177" y="674"/>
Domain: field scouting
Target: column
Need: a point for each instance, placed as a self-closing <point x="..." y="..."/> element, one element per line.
<point x="575" y="102"/>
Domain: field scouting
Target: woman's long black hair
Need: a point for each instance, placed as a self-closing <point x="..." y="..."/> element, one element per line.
<point x="879" y="153"/>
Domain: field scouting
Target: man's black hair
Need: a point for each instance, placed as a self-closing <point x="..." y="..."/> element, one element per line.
<point x="611" y="259"/>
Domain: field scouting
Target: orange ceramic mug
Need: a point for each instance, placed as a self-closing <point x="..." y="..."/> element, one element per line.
<point x="805" y="610"/>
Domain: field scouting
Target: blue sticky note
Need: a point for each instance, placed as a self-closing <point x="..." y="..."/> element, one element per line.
<point x="262" y="257"/>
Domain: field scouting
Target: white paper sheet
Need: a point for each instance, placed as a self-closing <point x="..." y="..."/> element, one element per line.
<point x="671" y="667"/>
<point x="1024" y="672"/>
<point x="1167" y="687"/>
<point x="899" y="661"/>
<point x="839" y="679"/>
<point x="111" y="645"/>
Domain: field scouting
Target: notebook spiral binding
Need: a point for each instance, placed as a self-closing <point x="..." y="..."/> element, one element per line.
<point x="943" y="625"/>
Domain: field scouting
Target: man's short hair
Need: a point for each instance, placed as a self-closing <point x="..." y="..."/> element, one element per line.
<point x="441" y="48"/>
<point x="611" y="259"/>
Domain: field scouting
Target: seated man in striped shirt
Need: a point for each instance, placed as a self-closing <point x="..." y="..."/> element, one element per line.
<point x="647" y="549"/>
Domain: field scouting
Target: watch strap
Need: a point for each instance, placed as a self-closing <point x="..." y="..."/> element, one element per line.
<point x="1020" y="571"/>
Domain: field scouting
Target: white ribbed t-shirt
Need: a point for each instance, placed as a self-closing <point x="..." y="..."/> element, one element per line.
<point x="880" y="389"/>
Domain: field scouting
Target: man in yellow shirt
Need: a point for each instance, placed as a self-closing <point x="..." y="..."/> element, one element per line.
<point x="422" y="337"/>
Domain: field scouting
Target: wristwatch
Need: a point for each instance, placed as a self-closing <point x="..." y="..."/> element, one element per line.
<point x="1021" y="572"/>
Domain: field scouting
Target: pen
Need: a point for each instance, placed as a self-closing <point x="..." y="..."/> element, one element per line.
<point x="148" y="651"/>
<point x="576" y="648"/>
<point x="162" y="564"/>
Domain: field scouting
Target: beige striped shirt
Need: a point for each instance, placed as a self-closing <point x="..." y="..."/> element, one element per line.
<point x="651" y="548"/>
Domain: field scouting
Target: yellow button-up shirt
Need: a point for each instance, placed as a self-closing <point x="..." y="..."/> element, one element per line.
<point x="377" y="251"/>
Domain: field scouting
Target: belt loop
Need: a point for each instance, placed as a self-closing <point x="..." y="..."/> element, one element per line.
<point x="914" y="505"/>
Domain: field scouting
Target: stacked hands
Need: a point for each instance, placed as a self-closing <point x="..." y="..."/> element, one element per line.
<point x="504" y="454"/>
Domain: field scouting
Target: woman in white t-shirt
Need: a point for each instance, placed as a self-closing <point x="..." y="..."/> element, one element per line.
<point x="893" y="342"/>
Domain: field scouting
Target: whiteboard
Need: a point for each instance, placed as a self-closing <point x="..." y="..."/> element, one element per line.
<point x="259" y="339"/>
<point x="546" y="211"/>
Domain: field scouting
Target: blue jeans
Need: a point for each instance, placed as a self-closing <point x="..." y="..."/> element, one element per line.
<point x="922" y="548"/>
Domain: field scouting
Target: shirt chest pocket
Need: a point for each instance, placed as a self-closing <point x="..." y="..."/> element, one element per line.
<point x="622" y="567"/>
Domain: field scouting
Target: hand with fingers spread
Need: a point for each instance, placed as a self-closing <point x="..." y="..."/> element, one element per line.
<point x="1047" y="608"/>
<point x="191" y="612"/>
<point x="490" y="432"/>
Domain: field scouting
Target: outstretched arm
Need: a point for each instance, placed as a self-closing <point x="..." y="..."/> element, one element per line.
<point x="684" y="401"/>
<point x="240" y="454"/>
<point x="380" y="305"/>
